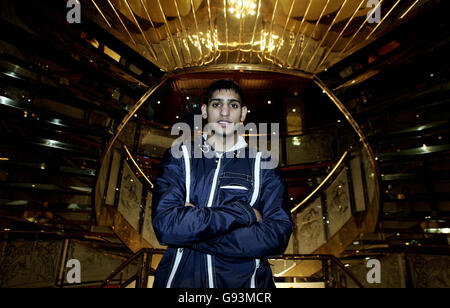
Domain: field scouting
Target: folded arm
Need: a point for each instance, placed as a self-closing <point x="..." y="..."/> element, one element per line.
<point x="177" y="224"/>
<point x="260" y="240"/>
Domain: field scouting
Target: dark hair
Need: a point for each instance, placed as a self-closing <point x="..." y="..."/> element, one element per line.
<point x="224" y="84"/>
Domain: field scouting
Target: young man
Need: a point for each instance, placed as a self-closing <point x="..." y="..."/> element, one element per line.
<point x="221" y="216"/>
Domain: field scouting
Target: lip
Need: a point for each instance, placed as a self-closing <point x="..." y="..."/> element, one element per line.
<point x="224" y="123"/>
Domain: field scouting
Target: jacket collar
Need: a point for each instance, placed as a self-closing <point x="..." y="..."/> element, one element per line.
<point x="241" y="143"/>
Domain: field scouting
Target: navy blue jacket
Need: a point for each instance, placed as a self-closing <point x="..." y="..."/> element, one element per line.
<point x="219" y="243"/>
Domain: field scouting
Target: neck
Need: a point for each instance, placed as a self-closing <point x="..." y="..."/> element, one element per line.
<point x="223" y="143"/>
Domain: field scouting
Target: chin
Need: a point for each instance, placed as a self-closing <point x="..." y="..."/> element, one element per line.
<point x="223" y="132"/>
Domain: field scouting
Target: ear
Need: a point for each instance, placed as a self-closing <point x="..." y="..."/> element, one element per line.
<point x="204" y="111"/>
<point x="244" y="113"/>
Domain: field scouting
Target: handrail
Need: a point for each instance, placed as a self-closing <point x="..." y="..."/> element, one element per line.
<point x="318" y="188"/>
<point x="144" y="271"/>
<point x="342" y="267"/>
<point x="349" y="118"/>
<point x="130" y="157"/>
<point x="323" y="257"/>
<point x="130" y="260"/>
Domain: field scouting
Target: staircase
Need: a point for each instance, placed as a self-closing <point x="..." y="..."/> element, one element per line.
<point x="401" y="102"/>
<point x="60" y="104"/>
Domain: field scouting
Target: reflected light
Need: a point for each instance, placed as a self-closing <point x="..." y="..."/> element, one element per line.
<point x="437" y="230"/>
<point x="242" y="8"/>
<point x="296" y="141"/>
<point x="409" y="9"/>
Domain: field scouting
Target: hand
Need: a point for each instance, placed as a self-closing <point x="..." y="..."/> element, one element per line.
<point x="258" y="215"/>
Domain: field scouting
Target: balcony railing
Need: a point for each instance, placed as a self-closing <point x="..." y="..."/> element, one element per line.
<point x="329" y="275"/>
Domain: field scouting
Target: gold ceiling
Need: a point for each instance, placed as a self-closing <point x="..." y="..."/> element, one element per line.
<point x="307" y="35"/>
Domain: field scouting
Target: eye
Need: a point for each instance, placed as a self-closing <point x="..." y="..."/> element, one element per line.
<point x="216" y="104"/>
<point x="234" y="105"/>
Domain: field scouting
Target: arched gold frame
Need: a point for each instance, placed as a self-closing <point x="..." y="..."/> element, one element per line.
<point x="339" y="241"/>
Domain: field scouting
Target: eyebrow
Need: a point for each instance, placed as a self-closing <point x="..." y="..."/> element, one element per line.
<point x="222" y="100"/>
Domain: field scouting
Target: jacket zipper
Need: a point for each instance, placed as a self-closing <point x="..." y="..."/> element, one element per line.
<point x="210" y="203"/>
<point x="178" y="257"/>
<point x="179" y="253"/>
<point x="253" y="281"/>
<point x="252" y="202"/>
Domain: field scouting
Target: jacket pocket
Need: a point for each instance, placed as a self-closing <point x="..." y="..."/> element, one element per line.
<point x="234" y="187"/>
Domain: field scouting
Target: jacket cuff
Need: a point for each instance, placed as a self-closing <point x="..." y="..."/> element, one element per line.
<point x="249" y="210"/>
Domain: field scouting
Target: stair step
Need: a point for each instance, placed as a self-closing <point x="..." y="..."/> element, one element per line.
<point x="47" y="187"/>
<point x="418" y="197"/>
<point x="43" y="205"/>
<point x="422" y="151"/>
<point x="383" y="134"/>
<point x="300" y="285"/>
<point x="417" y="177"/>
<point x="29" y="166"/>
<point x="54" y="119"/>
<point x="21" y="142"/>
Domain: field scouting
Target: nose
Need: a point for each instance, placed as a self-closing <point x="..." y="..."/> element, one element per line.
<point x="225" y="110"/>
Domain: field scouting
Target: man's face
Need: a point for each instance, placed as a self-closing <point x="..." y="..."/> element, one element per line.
<point x="224" y="112"/>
